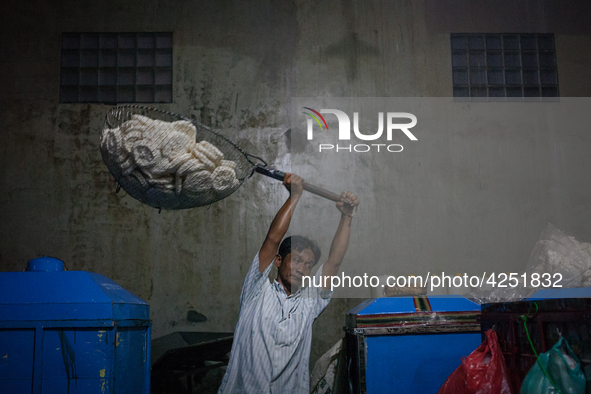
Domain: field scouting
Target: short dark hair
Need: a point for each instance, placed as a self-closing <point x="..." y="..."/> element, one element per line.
<point x="300" y="244"/>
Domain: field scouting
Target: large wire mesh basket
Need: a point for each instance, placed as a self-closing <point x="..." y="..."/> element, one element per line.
<point x="169" y="161"/>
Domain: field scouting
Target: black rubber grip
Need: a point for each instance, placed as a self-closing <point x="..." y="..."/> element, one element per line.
<point x="271" y="172"/>
<point x="279" y="175"/>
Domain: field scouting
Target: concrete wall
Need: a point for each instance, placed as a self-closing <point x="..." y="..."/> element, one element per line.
<point x="236" y="67"/>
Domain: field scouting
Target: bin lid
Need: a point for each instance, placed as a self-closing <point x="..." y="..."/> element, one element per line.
<point x="409" y="311"/>
<point x="66" y="295"/>
<point x="45" y="264"/>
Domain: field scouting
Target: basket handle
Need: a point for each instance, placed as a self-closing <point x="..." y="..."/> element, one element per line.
<point x="279" y="175"/>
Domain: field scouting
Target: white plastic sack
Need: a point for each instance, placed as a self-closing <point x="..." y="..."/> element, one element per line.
<point x="324" y="374"/>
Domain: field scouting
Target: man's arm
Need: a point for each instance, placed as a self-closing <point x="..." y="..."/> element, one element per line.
<point x="280" y="223"/>
<point x="340" y="242"/>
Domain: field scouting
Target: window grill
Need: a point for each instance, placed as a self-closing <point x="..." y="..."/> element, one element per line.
<point x="504" y="66"/>
<point x="116" y="68"/>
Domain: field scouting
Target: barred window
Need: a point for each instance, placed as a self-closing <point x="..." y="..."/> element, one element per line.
<point x="504" y="66"/>
<point x="116" y="68"/>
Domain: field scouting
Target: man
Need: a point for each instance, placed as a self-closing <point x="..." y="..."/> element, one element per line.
<point x="272" y="340"/>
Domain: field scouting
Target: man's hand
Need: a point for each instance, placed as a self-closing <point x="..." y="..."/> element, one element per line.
<point x="348" y="204"/>
<point x="293" y="183"/>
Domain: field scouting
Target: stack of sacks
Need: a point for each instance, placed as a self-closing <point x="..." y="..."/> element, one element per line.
<point x="166" y="161"/>
<point x="559" y="253"/>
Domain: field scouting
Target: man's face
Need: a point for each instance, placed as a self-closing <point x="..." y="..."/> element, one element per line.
<point x="295" y="265"/>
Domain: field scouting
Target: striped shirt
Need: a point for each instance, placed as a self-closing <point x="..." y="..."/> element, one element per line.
<point x="272" y="340"/>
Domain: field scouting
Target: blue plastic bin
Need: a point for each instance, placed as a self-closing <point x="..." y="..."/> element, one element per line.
<point x="409" y="344"/>
<point x="71" y="332"/>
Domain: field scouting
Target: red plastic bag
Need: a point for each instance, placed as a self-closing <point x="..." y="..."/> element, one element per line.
<point x="483" y="372"/>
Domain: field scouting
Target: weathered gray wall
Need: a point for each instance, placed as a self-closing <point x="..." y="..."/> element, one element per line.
<point x="236" y="67"/>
